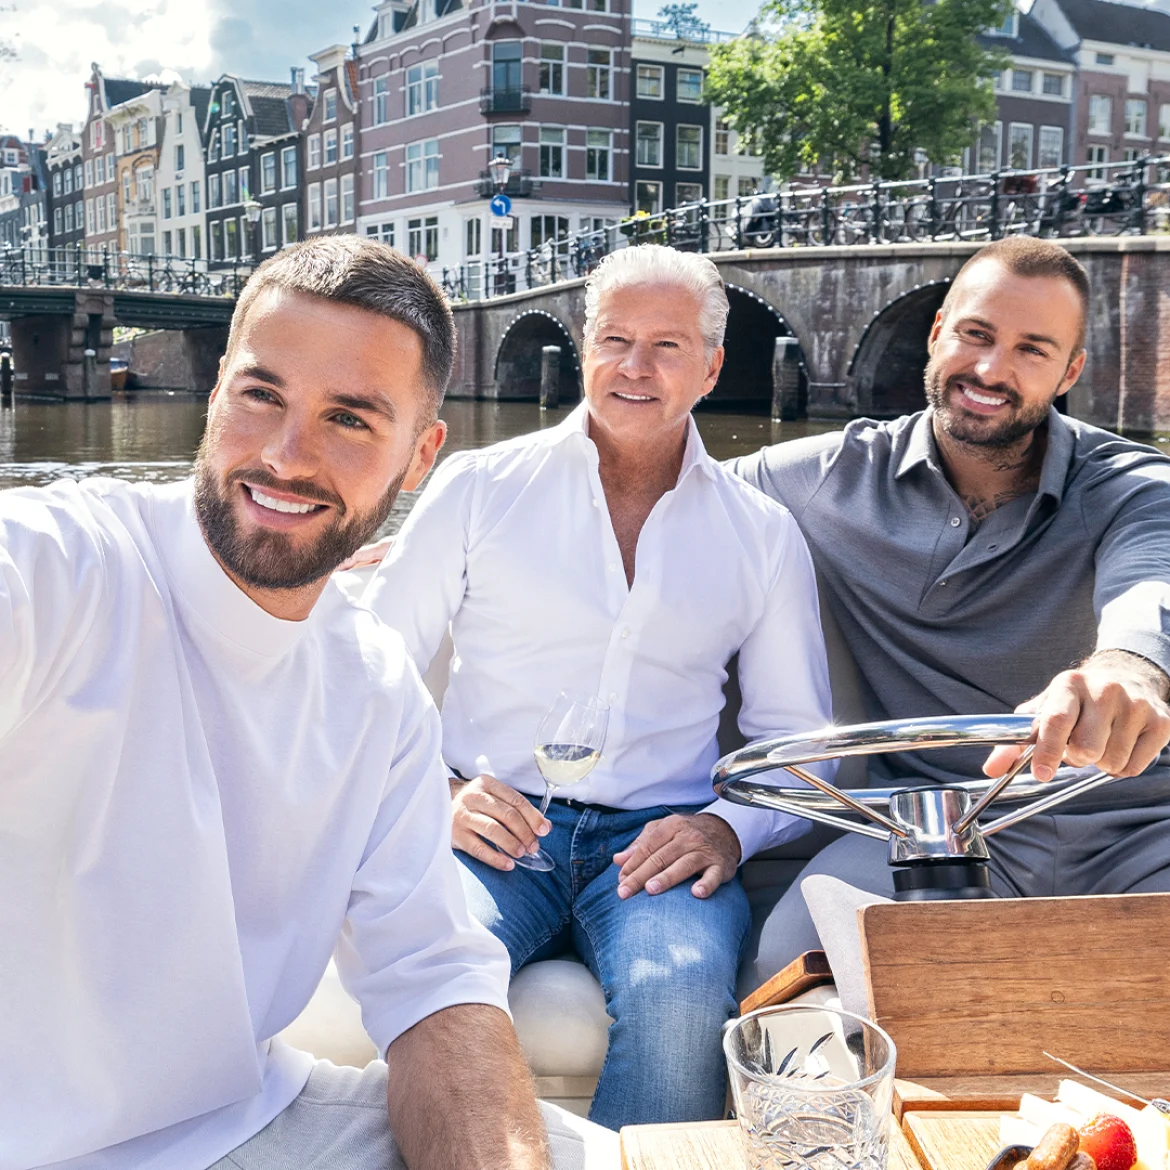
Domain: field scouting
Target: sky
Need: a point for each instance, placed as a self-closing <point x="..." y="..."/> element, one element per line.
<point x="55" y="41"/>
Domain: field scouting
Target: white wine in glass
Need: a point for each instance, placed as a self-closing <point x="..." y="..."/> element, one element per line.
<point x="568" y="745"/>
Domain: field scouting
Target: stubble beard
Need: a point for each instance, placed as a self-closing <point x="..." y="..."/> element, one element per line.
<point x="976" y="430"/>
<point x="271" y="559"/>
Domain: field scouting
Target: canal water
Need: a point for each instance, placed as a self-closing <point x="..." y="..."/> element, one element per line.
<point x="153" y="436"/>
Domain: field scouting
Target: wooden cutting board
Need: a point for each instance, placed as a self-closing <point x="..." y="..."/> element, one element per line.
<point x="953" y="1140"/>
<point x="715" y="1145"/>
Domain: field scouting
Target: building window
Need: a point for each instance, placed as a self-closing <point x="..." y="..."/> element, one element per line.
<point x="241" y="138"/>
<point x="88" y="173"/>
<point x="314" y="152"/>
<point x="329" y="193"/>
<point x="110" y="171"/>
<point x="598" y="152"/>
<point x="231" y="239"/>
<point x="331" y="105"/>
<point x="58" y="219"/>
<point x="1050" y="152"/>
<point x="422" y="88"/>
<point x="89" y="216"/>
<point x="291" y="226"/>
<point x="181" y="235"/>
<point x="167" y="204"/>
<point x="1100" y="114"/>
<point x="722" y="138"/>
<point x="268" y="172"/>
<point x="648" y="197"/>
<point x="215" y="240"/>
<point x="381" y="231"/>
<point x="987" y="150"/>
<point x="347" y="140"/>
<point x="245" y="192"/>
<point x="314" y="222"/>
<point x="1020" y="146"/>
<point x="649" y="144"/>
<point x="230" y="195"/>
<point x="213" y="147"/>
<point x="229" y="140"/>
<point x="196" y="208"/>
<point x="167" y="248"/>
<point x="179" y="156"/>
<point x="1164" y="120"/>
<point x="506" y="72"/>
<point x="422" y="165"/>
<point x="268" y="240"/>
<point x="689" y="85"/>
<point x="721" y="188"/>
<point x="552" y="69"/>
<point x="552" y="152"/>
<point x="599" y="66"/>
<point x="423" y="237"/>
<point x="288" y="168"/>
<point x="197" y="242"/>
<point x="57" y="182"/>
<point x="1008" y="28"/>
<point x="1135" y="117"/>
<point x="689" y="148"/>
<point x="226" y="108"/>
<point x="330" y="142"/>
<point x="649" y="81"/>
<point x="381" y="100"/>
<point x="548" y="228"/>
<point x="347" y="205"/>
<point x="180" y="199"/>
<point x="1132" y="154"/>
<point x="214" y="192"/>
<point x="1104" y="58"/>
<point x="1021" y="80"/>
<point x="111" y="211"/>
<point x="382" y="175"/>
<point x="472" y="237"/>
<point x="687" y="193"/>
<point x="746" y="186"/>
<point x="506" y="140"/>
<point x="1053" y="84"/>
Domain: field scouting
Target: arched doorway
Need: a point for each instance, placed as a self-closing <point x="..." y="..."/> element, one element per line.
<point x="745" y="382"/>
<point x="887" y="367"/>
<point x="517" y="370"/>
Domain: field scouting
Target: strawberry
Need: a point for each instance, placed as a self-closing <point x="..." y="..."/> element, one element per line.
<point x="1109" y="1142"/>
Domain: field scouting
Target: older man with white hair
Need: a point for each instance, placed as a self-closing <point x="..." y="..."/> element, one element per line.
<point x="612" y="555"/>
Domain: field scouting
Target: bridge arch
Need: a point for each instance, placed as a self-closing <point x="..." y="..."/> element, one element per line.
<point x="517" y="362"/>
<point x="753" y="324"/>
<point x="887" y="365"/>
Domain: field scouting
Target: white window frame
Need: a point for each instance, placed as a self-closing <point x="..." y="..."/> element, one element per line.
<point x="348" y="203"/>
<point x="268" y="233"/>
<point x="1100" y="103"/>
<point x="288" y="153"/>
<point x="314" y="155"/>
<point x="678" y="143"/>
<point x="1020" y="74"/>
<point x="266" y="159"/>
<point x="381" y="92"/>
<point x="552" y="152"/>
<point x="1047" y="77"/>
<point x="313" y="197"/>
<point x="329" y="105"/>
<point x="639" y="138"/>
<point x="1049" y="133"/>
<point x="331" y="206"/>
<point x="1135" y="127"/>
<point x="678" y="97"/>
<point x="645" y="72"/>
<point x="347" y="141"/>
<point x="552" y="65"/>
<point x="290" y="211"/>
<point x="1031" y="136"/>
<point x="598" y="145"/>
<point x="599" y="75"/>
<point x="329" y="142"/>
<point x="381" y="174"/>
<point x="657" y="185"/>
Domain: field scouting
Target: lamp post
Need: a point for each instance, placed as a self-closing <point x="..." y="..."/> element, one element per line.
<point x="252" y="215"/>
<point x="500" y="169"/>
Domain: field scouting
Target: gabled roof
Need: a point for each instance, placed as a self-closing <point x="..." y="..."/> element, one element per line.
<point x="1031" y="40"/>
<point x="200" y="100"/>
<point x="1119" y="24"/>
<point x="122" y="89"/>
<point x="268" y="102"/>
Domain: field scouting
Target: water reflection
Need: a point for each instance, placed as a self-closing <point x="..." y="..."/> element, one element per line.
<point x="154" y="436"/>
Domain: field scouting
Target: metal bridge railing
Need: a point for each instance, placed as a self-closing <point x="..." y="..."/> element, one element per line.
<point x="81" y="267"/>
<point x="1063" y="202"/>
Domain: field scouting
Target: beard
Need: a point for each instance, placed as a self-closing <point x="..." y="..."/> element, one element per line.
<point x="275" y="560"/>
<point x="1019" y="422"/>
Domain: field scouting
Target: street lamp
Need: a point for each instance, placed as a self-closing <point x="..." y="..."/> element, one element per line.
<point x="252" y="215"/>
<point x="500" y="169"/>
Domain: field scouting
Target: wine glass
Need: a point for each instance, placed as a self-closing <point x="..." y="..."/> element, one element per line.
<point x="568" y="743"/>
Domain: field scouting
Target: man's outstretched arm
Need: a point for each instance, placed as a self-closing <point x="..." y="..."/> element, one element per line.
<point x="460" y="1096"/>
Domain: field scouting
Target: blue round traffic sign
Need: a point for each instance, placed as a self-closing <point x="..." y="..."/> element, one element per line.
<point x="501" y="205"/>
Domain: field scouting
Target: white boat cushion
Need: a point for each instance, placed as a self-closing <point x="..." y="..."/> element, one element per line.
<point x="559" y="1009"/>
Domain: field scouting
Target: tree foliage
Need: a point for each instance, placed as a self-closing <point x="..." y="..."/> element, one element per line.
<point x="850" y="83"/>
<point x="681" y="19"/>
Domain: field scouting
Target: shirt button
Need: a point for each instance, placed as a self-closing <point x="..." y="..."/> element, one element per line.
<point x="595" y="503"/>
<point x="611" y="568"/>
<point x="955" y="522"/>
<point x="943" y="582"/>
<point x="626" y="632"/>
<point x="613" y="696"/>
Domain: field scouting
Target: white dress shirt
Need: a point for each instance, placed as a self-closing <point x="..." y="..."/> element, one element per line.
<point x="196" y="800"/>
<point x="512" y="546"/>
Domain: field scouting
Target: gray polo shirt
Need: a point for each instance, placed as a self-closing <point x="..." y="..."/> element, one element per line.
<point x="947" y="617"/>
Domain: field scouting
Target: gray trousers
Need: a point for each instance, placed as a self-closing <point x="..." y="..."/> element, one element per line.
<point x="339" y="1122"/>
<point x="1110" y="851"/>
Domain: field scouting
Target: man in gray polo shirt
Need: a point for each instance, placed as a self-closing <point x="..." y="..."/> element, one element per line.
<point x="990" y="555"/>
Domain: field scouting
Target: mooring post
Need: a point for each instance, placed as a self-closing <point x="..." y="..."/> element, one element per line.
<point x="786" y="403"/>
<point x="89" y="374"/>
<point x="550" y="377"/>
<point x="6" y="396"/>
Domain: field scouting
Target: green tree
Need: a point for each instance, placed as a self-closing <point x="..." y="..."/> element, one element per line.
<point x="682" y="21"/>
<point x="849" y="83"/>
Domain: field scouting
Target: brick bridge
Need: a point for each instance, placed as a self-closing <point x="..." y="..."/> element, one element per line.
<point x="860" y="316"/>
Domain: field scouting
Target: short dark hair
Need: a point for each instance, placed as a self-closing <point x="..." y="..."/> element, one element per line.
<point x="1027" y="256"/>
<point x="353" y="270"/>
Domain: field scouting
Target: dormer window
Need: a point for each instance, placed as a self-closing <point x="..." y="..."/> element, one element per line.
<point x="1009" y="28"/>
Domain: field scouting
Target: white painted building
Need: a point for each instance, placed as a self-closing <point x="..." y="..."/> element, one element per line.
<point x="181" y="178"/>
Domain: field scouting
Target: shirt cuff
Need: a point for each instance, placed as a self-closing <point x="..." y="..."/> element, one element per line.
<point x="1151" y="645"/>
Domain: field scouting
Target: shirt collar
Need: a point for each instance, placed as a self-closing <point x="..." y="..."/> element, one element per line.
<point x="921" y="448"/>
<point x="695" y="456"/>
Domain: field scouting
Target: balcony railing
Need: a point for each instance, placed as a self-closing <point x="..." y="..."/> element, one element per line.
<point x="515" y="99"/>
<point x="661" y="30"/>
<point x="521" y="185"/>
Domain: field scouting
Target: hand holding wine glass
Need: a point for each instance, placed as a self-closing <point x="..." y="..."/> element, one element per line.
<point x="568" y="744"/>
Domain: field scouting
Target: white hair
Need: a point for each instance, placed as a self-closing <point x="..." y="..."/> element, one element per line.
<point x="655" y="264"/>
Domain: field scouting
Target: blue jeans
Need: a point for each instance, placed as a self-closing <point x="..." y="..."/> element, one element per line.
<point x="666" y="963"/>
